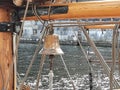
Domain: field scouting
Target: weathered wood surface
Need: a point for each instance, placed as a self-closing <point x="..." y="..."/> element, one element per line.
<point x="6" y="74"/>
<point x="109" y="26"/>
<point x="90" y="9"/>
<point x="6" y="71"/>
<point x="4" y="15"/>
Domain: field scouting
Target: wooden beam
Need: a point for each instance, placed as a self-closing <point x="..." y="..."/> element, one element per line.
<point x="88" y="9"/>
<point x="6" y="72"/>
<point x="109" y="26"/>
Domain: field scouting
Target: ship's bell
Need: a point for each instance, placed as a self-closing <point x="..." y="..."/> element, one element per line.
<point x="51" y="46"/>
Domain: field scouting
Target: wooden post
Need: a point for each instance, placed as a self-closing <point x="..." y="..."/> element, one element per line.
<point x="6" y="71"/>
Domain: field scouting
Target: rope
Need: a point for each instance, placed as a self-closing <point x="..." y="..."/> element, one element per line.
<point x="18" y="78"/>
<point x="34" y="56"/>
<point x="119" y="53"/>
<point x="21" y="29"/>
<point x="41" y="65"/>
<point x="67" y="72"/>
<point x="113" y="55"/>
<point x="86" y="58"/>
<point x="40" y="70"/>
<point x="49" y="10"/>
<point x="34" y="9"/>
<point x="98" y="54"/>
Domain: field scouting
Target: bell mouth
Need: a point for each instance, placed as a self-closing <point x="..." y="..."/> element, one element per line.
<point x="51" y="51"/>
<point x="51" y="46"/>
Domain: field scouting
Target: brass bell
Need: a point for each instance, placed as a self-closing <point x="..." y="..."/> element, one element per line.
<point x="51" y="46"/>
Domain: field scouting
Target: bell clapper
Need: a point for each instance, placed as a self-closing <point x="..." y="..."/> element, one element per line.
<point x="51" y="61"/>
<point x="51" y="48"/>
<point x="51" y="74"/>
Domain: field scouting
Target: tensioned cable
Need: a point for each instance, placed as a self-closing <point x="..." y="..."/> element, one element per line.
<point x="18" y="77"/>
<point x="98" y="54"/>
<point x="41" y="66"/>
<point x="34" y="56"/>
<point x="86" y="58"/>
<point x="40" y="70"/>
<point x="36" y="14"/>
<point x="119" y="52"/>
<point x="21" y="29"/>
<point x="49" y="10"/>
<point x="67" y="72"/>
<point x="114" y="44"/>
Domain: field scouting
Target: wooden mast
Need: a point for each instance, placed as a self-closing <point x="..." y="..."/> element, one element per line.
<point x="6" y="71"/>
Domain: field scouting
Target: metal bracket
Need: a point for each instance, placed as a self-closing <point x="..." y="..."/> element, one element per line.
<point x="8" y="26"/>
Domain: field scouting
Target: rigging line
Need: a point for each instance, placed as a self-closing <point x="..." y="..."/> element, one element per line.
<point x="68" y="72"/>
<point x="36" y="14"/>
<point x="86" y="58"/>
<point x="41" y="65"/>
<point x="34" y="56"/>
<point x="18" y="77"/>
<point x="43" y="26"/>
<point x="39" y="18"/>
<point x="35" y="11"/>
<point x="119" y="52"/>
<point x="98" y="54"/>
<point x="95" y="49"/>
<point x="115" y="38"/>
<point x="113" y="55"/>
<point x="40" y="70"/>
<point x="21" y="29"/>
<point x="117" y="41"/>
<point x="49" y="10"/>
